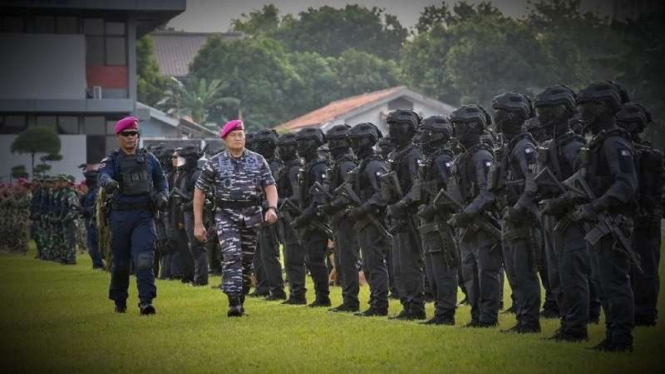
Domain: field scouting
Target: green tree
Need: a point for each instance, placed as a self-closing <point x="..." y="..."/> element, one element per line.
<point x="36" y="140"/>
<point x="19" y="171"/>
<point x="151" y="86"/>
<point x="329" y="31"/>
<point x="196" y="98"/>
<point x="359" y="72"/>
<point x="41" y="169"/>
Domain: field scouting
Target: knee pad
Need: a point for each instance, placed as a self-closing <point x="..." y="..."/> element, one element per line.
<point x="144" y="261"/>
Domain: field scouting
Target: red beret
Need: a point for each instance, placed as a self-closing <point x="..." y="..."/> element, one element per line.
<point x="233" y="125"/>
<point x="126" y="123"/>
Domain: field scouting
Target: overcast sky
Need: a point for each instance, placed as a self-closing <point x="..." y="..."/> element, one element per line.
<point x="216" y="15"/>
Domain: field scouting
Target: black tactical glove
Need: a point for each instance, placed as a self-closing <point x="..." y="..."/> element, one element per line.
<point x="396" y="209"/>
<point x="584" y="213"/>
<point x="512" y="214"/>
<point x="461" y="219"/>
<point x="160" y="200"/>
<point x="426" y="212"/>
<point x="111" y="186"/>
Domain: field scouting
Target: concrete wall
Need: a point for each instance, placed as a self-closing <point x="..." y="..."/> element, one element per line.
<point x="42" y="66"/>
<point x="73" y="151"/>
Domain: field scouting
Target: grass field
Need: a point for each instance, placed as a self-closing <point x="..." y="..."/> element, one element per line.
<point x="57" y="319"/>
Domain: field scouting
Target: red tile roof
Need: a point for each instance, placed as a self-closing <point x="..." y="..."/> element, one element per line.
<point x="336" y="109"/>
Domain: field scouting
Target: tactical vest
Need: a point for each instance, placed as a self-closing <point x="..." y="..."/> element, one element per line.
<point x="650" y="173"/>
<point x="307" y="179"/>
<point x="362" y="185"/>
<point x="400" y="166"/>
<point x="285" y="184"/>
<point x="596" y="164"/>
<point x="554" y="159"/>
<point x="133" y="172"/>
<point x="468" y="189"/>
<point x="431" y="176"/>
<point x="515" y="179"/>
<point x="336" y="177"/>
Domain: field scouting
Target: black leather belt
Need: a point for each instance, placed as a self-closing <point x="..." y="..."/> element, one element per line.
<point x="130" y="206"/>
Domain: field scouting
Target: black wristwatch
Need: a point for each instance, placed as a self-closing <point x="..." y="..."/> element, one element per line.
<point x="273" y="208"/>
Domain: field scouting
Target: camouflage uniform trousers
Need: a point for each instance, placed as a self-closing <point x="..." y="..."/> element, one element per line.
<point x="237" y="243"/>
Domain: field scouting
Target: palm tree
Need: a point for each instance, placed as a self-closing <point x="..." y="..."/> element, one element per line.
<point x="196" y="98"/>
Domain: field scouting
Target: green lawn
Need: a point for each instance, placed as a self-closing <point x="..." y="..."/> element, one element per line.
<point x="57" y="319"/>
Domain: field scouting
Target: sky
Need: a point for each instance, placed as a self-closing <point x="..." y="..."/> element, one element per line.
<point x="216" y="15"/>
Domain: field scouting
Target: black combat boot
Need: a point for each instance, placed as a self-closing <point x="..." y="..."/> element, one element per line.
<point x="344" y="308"/>
<point x="146" y="308"/>
<point x="120" y="307"/>
<point x="371" y="312"/>
<point x="276" y="297"/>
<point x="235" y="307"/>
<point x="320" y="302"/>
<point x="440" y="320"/>
<point x="294" y="300"/>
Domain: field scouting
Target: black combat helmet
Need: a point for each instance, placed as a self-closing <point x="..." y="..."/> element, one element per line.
<point x="287" y="145"/>
<point x="556" y="95"/>
<point x="250" y="142"/>
<point x="287" y="139"/>
<point x="402" y="125"/>
<point x="435" y="129"/>
<point x="607" y="92"/>
<point x="633" y="117"/>
<point x="364" y="135"/>
<point x="265" y="142"/>
<point x="338" y="137"/>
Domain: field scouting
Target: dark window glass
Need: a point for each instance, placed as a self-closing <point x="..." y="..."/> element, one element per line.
<point x="66" y="25"/>
<point x="111" y="144"/>
<point x="93" y="26"/>
<point x="12" y="24"/>
<point x="115" y="51"/>
<point x="47" y="121"/>
<point x="44" y="24"/>
<point x="95" y="148"/>
<point x="115" y="28"/>
<point x="94" y="54"/>
<point x="68" y="125"/>
<point x="94" y="126"/>
<point x="12" y="124"/>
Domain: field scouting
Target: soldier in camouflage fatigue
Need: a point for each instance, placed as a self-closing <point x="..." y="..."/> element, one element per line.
<point x="237" y="176"/>
<point x="4" y="213"/>
<point x="69" y="208"/>
<point x="21" y="217"/>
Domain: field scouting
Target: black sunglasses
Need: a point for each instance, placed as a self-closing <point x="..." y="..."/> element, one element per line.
<point x="129" y="133"/>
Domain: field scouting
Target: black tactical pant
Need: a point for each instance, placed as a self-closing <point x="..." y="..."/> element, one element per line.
<point x="408" y="268"/>
<point x="259" y="271"/>
<point x="374" y="248"/>
<point x="268" y="251"/>
<point x="550" y="298"/>
<point x="520" y="250"/>
<point x="346" y="259"/>
<point x="441" y="264"/>
<point x="316" y="245"/>
<point x="569" y="271"/>
<point x="612" y="268"/>
<point x="197" y="252"/>
<point x="294" y="260"/>
<point x="646" y="285"/>
<point x="509" y="272"/>
<point x="481" y="263"/>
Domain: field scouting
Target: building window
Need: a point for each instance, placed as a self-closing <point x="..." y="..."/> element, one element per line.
<point x="106" y="42"/>
<point x="94" y="125"/>
<point x="66" y="25"/>
<point x="13" y="124"/>
<point x="47" y="121"/>
<point x="45" y="24"/>
<point x="95" y="148"/>
<point x="13" y="24"/>
<point x="68" y="125"/>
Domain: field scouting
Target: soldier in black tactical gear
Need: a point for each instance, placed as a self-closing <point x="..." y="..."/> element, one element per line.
<point x="611" y="184"/>
<point x="517" y="166"/>
<point x="288" y="187"/>
<point x="191" y="172"/>
<point x="646" y="236"/>
<point x="407" y="249"/>
<point x="372" y="235"/>
<point x="266" y="257"/>
<point x="480" y="250"/>
<point x="567" y="254"/>
<point x="384" y="148"/>
<point x="313" y="236"/>
<point x="346" y="241"/>
<point x="166" y="251"/>
<point x="440" y="252"/>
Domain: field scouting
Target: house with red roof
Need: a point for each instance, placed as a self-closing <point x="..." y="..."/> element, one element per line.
<point x="369" y="107"/>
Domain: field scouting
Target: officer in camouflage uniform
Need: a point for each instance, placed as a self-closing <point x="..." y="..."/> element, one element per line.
<point x="646" y="236"/>
<point x="37" y="190"/>
<point x="346" y="241"/>
<point x="480" y="251"/>
<point x="518" y="165"/>
<point x="5" y="226"/>
<point x="566" y="250"/>
<point x="407" y="249"/>
<point x="270" y="278"/>
<point x="69" y="208"/>
<point x="313" y="238"/>
<point x="238" y="177"/>
<point x="609" y="171"/>
<point x="288" y="187"/>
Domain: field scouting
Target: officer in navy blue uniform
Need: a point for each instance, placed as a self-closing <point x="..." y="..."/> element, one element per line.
<point x="135" y="178"/>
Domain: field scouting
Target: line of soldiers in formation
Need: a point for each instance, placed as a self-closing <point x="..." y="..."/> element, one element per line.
<point x="442" y="203"/>
<point x="55" y="218"/>
<point x="14" y="217"/>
